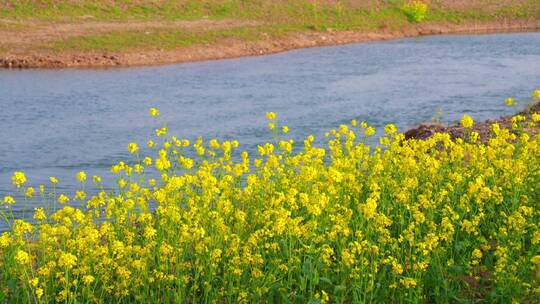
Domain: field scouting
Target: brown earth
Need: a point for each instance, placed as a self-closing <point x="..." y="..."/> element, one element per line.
<point x="425" y="131"/>
<point x="18" y="57"/>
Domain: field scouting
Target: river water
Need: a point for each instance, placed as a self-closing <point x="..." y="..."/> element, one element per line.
<point x="58" y="122"/>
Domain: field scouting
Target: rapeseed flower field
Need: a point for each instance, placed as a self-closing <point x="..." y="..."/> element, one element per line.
<point x="408" y="221"/>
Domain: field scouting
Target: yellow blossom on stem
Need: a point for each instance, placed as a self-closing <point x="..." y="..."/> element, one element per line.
<point x="161" y="131"/>
<point x="18" y="179"/>
<point x="270" y="115"/>
<point x="536" y="94"/>
<point x="67" y="260"/>
<point x="9" y="200"/>
<point x="467" y="122"/>
<point x="153" y="112"/>
<point x="39" y="293"/>
<point x="133" y="148"/>
<point x="88" y="279"/>
<point x="63" y="199"/>
<point x="22" y="258"/>
<point x="370" y="131"/>
<point x="29" y="192"/>
<point x="81" y="176"/>
<point x="390" y="129"/>
<point x="39" y="214"/>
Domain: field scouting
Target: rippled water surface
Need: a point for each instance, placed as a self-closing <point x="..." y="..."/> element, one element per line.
<point x="58" y="122"/>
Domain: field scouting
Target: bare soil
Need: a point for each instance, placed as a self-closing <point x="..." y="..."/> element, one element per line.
<point x="16" y="41"/>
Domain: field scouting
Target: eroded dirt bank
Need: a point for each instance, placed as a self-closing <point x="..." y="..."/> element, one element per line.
<point x="231" y="48"/>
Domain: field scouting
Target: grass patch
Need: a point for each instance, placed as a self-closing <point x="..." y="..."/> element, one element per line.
<point x="311" y="18"/>
<point x="278" y="17"/>
<point x="277" y="11"/>
<point x="165" y="39"/>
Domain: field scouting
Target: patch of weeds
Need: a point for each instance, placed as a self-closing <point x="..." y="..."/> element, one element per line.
<point x="416" y="11"/>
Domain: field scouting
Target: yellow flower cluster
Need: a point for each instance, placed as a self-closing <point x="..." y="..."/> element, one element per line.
<point x="467" y="122"/>
<point x="536" y="94"/>
<point x="509" y="101"/>
<point x="203" y="221"/>
<point x="18" y="179"/>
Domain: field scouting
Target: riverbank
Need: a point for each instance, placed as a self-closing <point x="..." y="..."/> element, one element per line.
<point x="46" y="38"/>
<point x="484" y="129"/>
<point x="237" y="48"/>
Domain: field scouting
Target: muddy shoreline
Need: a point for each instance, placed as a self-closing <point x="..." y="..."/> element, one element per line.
<point x="233" y="48"/>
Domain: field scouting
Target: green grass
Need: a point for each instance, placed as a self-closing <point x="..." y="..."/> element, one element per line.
<point x="168" y="10"/>
<point x="280" y="11"/>
<point x="169" y="39"/>
<point x="276" y="18"/>
<point x="166" y="39"/>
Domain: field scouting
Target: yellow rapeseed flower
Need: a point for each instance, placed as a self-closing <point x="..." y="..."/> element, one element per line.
<point x="5" y="240"/>
<point x="80" y="195"/>
<point x="153" y="112"/>
<point x="271" y="116"/>
<point x="161" y="131"/>
<point x="67" y="260"/>
<point x="18" y="179"/>
<point x="39" y="293"/>
<point x="39" y="214"/>
<point x="536" y="94"/>
<point x="390" y="129"/>
<point x="509" y="101"/>
<point x="9" y="200"/>
<point x="22" y="257"/>
<point x="133" y="148"/>
<point x="63" y="199"/>
<point x="53" y="180"/>
<point x="214" y="144"/>
<point x="370" y="131"/>
<point x="285" y="129"/>
<point x="476" y="256"/>
<point x="29" y="192"/>
<point x="81" y="176"/>
<point x="467" y="122"/>
<point x="88" y="279"/>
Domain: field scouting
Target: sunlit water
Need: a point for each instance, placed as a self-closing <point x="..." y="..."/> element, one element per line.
<point x="58" y="122"/>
